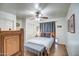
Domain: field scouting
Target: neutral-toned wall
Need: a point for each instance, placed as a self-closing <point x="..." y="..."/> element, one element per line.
<point x="7" y="20"/>
<point x="31" y="28"/>
<point x="61" y="34"/>
<point x="6" y="24"/>
<point x="22" y="22"/>
<point x="72" y="41"/>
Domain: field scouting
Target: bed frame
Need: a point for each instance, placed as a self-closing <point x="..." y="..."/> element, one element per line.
<point x="48" y="34"/>
<point x="11" y="42"/>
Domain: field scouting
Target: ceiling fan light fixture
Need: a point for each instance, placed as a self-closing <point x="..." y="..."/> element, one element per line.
<point x="39" y="15"/>
<point x="38" y="19"/>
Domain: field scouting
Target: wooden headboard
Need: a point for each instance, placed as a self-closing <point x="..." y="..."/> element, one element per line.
<point x="48" y="34"/>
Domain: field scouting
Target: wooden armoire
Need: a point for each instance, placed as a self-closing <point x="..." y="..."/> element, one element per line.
<point x="12" y="43"/>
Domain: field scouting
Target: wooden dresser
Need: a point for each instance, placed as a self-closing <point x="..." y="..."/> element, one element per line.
<point x="12" y="43"/>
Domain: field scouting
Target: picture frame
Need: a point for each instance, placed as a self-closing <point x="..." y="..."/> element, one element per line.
<point x="17" y="24"/>
<point x="71" y="24"/>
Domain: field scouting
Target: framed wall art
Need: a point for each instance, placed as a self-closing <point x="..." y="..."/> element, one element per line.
<point x="71" y="24"/>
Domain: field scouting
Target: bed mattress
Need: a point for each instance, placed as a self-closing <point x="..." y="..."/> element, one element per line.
<point x="45" y="41"/>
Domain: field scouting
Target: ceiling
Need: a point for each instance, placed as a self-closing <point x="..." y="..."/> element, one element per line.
<point x="52" y="10"/>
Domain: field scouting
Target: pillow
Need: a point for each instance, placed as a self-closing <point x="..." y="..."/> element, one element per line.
<point x="45" y="35"/>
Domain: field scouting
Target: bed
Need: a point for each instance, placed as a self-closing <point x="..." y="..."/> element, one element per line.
<point x="46" y="39"/>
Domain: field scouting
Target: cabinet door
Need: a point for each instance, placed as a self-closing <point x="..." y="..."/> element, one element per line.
<point x="11" y="45"/>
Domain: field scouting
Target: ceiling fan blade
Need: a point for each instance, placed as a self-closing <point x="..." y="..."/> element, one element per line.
<point x="44" y="17"/>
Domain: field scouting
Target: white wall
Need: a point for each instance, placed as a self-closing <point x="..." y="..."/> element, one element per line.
<point x="7" y="20"/>
<point x="6" y="24"/>
<point x="20" y="21"/>
<point x="61" y="34"/>
<point x="24" y="26"/>
<point x="31" y="28"/>
<point x="72" y="41"/>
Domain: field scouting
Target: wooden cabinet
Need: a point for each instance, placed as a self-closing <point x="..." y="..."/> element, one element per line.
<point x="11" y="43"/>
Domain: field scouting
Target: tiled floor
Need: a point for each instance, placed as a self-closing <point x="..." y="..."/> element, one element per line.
<point x="57" y="50"/>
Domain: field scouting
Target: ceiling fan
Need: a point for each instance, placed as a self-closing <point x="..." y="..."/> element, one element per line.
<point x="38" y="15"/>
